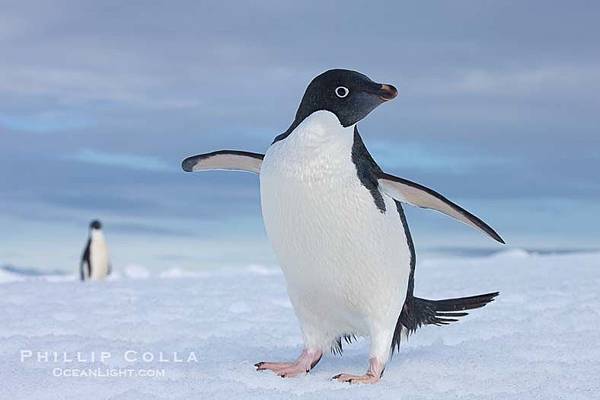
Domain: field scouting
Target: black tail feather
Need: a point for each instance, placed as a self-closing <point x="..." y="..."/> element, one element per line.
<point x="418" y="312"/>
<point x="336" y="347"/>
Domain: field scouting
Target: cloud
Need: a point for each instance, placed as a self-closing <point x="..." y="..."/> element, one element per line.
<point x="431" y="158"/>
<point x="45" y="122"/>
<point x="88" y="85"/>
<point x="526" y="81"/>
<point x="145" y="229"/>
<point x="508" y="81"/>
<point x="122" y="160"/>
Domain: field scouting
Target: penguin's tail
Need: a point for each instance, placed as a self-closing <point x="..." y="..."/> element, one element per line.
<point x="418" y="312"/>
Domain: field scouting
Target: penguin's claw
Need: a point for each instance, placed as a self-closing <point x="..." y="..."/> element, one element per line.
<point x="284" y="370"/>
<point x="292" y="371"/>
<point x="272" y="366"/>
<point x="307" y="360"/>
<point x="373" y="374"/>
<point x="366" y="378"/>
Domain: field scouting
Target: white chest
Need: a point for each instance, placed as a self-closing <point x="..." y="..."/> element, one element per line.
<point x="99" y="259"/>
<point x="336" y="249"/>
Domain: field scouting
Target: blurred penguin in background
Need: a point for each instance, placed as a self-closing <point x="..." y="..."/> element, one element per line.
<point x="94" y="263"/>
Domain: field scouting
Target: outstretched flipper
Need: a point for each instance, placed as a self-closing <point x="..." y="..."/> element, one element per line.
<point x="418" y="195"/>
<point x="231" y="160"/>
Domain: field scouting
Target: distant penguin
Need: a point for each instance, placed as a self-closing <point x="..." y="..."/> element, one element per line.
<point x="95" y="263"/>
<point x="338" y="229"/>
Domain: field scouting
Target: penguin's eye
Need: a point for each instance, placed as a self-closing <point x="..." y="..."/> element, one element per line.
<point x="341" y="91"/>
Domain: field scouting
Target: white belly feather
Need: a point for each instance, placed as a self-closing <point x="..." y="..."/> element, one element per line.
<point x="346" y="263"/>
<point x="98" y="256"/>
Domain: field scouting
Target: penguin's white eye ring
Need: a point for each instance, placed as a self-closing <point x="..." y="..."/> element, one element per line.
<point x="342" y="91"/>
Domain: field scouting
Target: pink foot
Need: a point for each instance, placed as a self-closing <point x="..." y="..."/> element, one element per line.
<point x="366" y="378"/>
<point x="373" y="375"/>
<point x="307" y="360"/>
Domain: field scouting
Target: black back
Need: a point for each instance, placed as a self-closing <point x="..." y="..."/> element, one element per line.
<point x="85" y="261"/>
<point x="85" y="257"/>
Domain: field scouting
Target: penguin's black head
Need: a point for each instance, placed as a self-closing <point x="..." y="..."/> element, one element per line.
<point x="95" y="224"/>
<point x="350" y="95"/>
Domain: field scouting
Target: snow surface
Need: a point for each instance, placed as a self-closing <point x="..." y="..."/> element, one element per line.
<point x="539" y="340"/>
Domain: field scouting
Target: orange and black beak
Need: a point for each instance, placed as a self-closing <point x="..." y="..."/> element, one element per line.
<point x="383" y="91"/>
<point x="387" y="92"/>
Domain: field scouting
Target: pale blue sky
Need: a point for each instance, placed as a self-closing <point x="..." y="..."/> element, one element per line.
<point x="100" y="101"/>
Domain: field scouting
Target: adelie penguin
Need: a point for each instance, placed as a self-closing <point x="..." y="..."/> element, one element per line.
<point x="95" y="263"/>
<point x="337" y="226"/>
